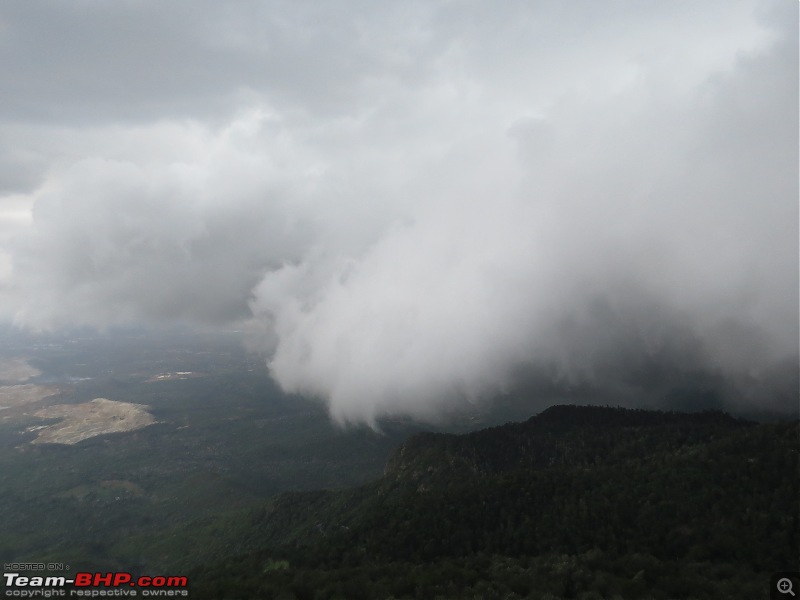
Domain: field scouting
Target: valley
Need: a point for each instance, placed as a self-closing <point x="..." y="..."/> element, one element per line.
<point x="180" y="454"/>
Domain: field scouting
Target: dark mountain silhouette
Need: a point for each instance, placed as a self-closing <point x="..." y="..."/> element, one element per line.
<point x="576" y="502"/>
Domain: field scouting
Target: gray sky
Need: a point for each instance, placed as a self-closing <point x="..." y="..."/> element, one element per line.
<point x="404" y="201"/>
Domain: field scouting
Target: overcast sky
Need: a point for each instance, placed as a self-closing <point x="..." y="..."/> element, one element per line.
<point x="402" y="202"/>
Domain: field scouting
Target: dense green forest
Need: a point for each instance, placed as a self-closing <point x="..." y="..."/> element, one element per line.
<point x="577" y="502"/>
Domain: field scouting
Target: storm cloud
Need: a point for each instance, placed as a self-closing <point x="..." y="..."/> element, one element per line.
<point x="404" y="205"/>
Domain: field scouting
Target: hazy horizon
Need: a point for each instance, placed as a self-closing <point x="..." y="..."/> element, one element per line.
<point x="405" y="206"/>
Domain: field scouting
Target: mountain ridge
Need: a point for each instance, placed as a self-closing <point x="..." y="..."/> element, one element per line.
<point x="678" y="495"/>
<point x="478" y="452"/>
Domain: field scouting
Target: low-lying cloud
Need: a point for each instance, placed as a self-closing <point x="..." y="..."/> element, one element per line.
<point x="614" y="201"/>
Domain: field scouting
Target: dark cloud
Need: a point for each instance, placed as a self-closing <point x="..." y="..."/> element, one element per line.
<point x="408" y="205"/>
<point x="92" y="61"/>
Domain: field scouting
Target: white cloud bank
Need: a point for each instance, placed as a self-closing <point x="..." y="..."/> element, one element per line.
<point x="407" y="203"/>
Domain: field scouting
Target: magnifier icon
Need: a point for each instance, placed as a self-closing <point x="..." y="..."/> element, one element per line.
<point x="784" y="586"/>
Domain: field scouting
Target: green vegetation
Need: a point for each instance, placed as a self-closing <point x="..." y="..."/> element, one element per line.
<point x="578" y="502"/>
<point x="179" y="493"/>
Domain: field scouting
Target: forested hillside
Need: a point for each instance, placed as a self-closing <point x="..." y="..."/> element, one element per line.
<point x="577" y="502"/>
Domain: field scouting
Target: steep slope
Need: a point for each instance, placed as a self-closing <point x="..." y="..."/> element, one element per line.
<point x="561" y="436"/>
<point x="679" y="496"/>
